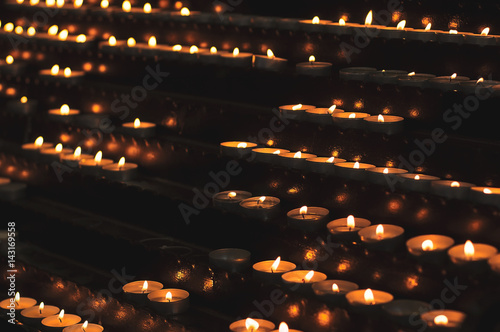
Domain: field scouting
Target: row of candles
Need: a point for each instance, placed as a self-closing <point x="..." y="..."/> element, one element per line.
<point x="11" y="190"/>
<point x="313" y="25"/>
<point x="359" y="171"/>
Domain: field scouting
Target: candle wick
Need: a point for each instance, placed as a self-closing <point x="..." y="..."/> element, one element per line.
<point x="272" y="271"/>
<point x="59" y="319"/>
<point x="83" y="329"/>
<point x="303" y="216"/>
<point x="303" y="281"/>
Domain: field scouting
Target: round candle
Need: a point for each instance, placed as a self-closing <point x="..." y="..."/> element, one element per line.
<point x="269" y="62"/>
<point x="349" y="119"/>
<point x="396" y="32"/>
<point x="323" y="165"/>
<point x="347" y="228"/>
<point x="60" y="321"/>
<point x="237" y="149"/>
<point x="262" y="208"/>
<point x="139" y="128"/>
<point x="268" y="155"/>
<point x="451" y="36"/>
<point x="302" y="280"/>
<point x="368" y="300"/>
<point x="84" y="327"/>
<point x="230" y="259"/>
<point x="68" y="75"/>
<point x="34" y="315"/>
<point x="389" y="76"/>
<point x="485" y="195"/>
<point x="237" y="59"/>
<point x="385" y="176"/>
<point x="314" y="68"/>
<point x="445" y="83"/>
<point x="356" y="73"/>
<point x="284" y="328"/>
<point x="211" y="56"/>
<point x="93" y="166"/>
<point x="120" y="171"/>
<point x="295" y="160"/>
<point x="381" y="236"/>
<point x="169" y="301"/>
<point x="23" y="106"/>
<point x="137" y="291"/>
<point x="477" y="87"/>
<point x="415" y="80"/>
<point x="37" y="145"/>
<point x="271" y="270"/>
<point x="339" y="28"/>
<point x="333" y="290"/>
<point x="55" y="152"/>
<point x="352" y="170"/>
<point x="443" y="320"/>
<point x="63" y="114"/>
<point x="322" y="115"/>
<point x="74" y="158"/>
<point x="308" y="218"/>
<point x="17" y="303"/>
<point x="424" y="35"/>
<point x="416" y="182"/>
<point x="251" y="325"/>
<point x="229" y="200"/>
<point x="481" y="39"/>
<point x="296" y="111"/>
<point x="385" y="124"/>
<point x="463" y="254"/>
<point x="429" y="247"/>
<point x="451" y="189"/>
<point x="494" y="263"/>
<point x="313" y="25"/>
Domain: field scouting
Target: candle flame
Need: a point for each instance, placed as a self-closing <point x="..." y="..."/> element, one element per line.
<point x="61" y="315"/>
<point x="213" y="50"/>
<point x="9" y="27"/>
<point x="298" y="154"/>
<point x="427" y="245"/>
<point x="469" y="249"/>
<point x="193" y="49"/>
<point x="52" y="31"/>
<point x="379" y="231"/>
<point x="40" y="307"/>
<point x="487" y="191"/>
<point x="64" y="110"/>
<point x="453" y="32"/>
<point x="34" y="2"/>
<point x="401" y="25"/>
<point x="67" y="72"/>
<point x="60" y="3"/>
<point x="126" y="6"/>
<point x="385" y="171"/>
<point x="411" y="74"/>
<point x="185" y="11"/>
<point x="98" y="157"/>
<point x="147" y="8"/>
<point x="455" y="184"/>
<point x="283" y="327"/>
<point x="236" y="51"/>
<point x="39" y="142"/>
<point x="121" y="162"/>
<point x="104" y="4"/>
<point x="417" y="177"/>
<point x="352" y="115"/>
<point x="332" y="108"/>
<point x="369" y="299"/>
<point x="350" y="221"/>
<point x="262" y="199"/>
<point x="63" y="35"/>
<point x="137" y="123"/>
<point x="17" y="297"/>
<point x="168" y="296"/>
<point x="356" y="165"/>
<point x="303" y="210"/>
<point x="78" y="3"/>
<point x="453" y="76"/>
<point x="84" y="325"/>
<point x="441" y="320"/>
<point x="335" y="288"/>
<point x="31" y="31"/>
<point x="241" y="145"/>
<point x="78" y="152"/>
<point x="277" y="152"/>
<point x="380" y="118"/>
<point x="276" y="263"/>
<point x="19" y="30"/>
<point x="312" y="58"/>
<point x="297" y="107"/>
<point x="9" y="59"/>
<point x="369" y="18"/>
<point x="112" y="41"/>
<point x="54" y="70"/>
<point x="485" y="32"/>
<point x="270" y="54"/>
<point x="177" y="48"/>
<point x="251" y="324"/>
<point x="315" y="20"/>
<point x="428" y="26"/>
<point x="58" y="147"/>
<point x="24" y="99"/>
<point x="81" y="38"/>
<point x="480" y="80"/>
<point x="231" y="194"/>
<point x="131" y="42"/>
<point x="341" y="21"/>
<point x="330" y="160"/>
<point x="144" y="286"/>
<point x="309" y="276"/>
<point x="152" y="41"/>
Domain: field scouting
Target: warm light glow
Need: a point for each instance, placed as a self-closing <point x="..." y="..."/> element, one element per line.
<point x="137" y="123"/>
<point x="152" y="41"/>
<point x="39" y="142"/>
<point x="78" y="3"/>
<point x="236" y="51"/>
<point x="335" y="288"/>
<point x="341" y="21"/>
<point x="270" y="54"/>
<point x="131" y="42"/>
<point x="20" y="1"/>
<point x="81" y="38"/>
<point x="177" y="48"/>
<point x="67" y="72"/>
<point x="455" y="184"/>
<point x="298" y="154"/>
<point x="312" y="59"/>
<point x="31" y="31"/>
<point x="112" y="41"/>
<point x="52" y="31"/>
<point x="61" y="315"/>
<point x="276" y="263"/>
<point x="356" y="165"/>
<point x="18" y="30"/>
<point x="401" y="25"/>
<point x="485" y="32"/>
<point x="241" y="145"/>
<point x="428" y="26"/>
<point x="104" y="4"/>
<point x="213" y="50"/>
<point x="453" y="76"/>
<point x="193" y="49"/>
<point x="85" y="325"/>
<point x="147" y="8"/>
<point x="40" y="307"/>
<point x="60" y="3"/>
<point x="283" y="327"/>
<point x="98" y="157"/>
<point x="441" y="320"/>
<point x="277" y="152"/>
<point x="121" y="162"/>
<point x="369" y="18"/>
<point x="185" y="11"/>
<point x="50" y="3"/>
<point x="350" y="222"/>
<point x="487" y="191"/>
<point x="417" y="177"/>
<point x="309" y="276"/>
<point x="251" y="325"/>
<point x="352" y="115"/>
<point x="24" y="99"/>
<point x="315" y="20"/>
<point x="126" y="6"/>
<point x="9" y="27"/>
<point x="480" y="80"/>
<point x="369" y="299"/>
<point x="469" y="249"/>
<point x="330" y="160"/>
<point x="17" y="297"/>
<point x="9" y="59"/>
<point x="379" y="231"/>
<point x="261" y="199"/>
<point x="303" y="210"/>
<point x="144" y="286"/>
<point x="296" y="107"/>
<point x="78" y="152"/>
<point x="380" y="118"/>
<point x="64" y="110"/>
<point x="231" y="194"/>
<point x="385" y="171"/>
<point x="427" y="245"/>
<point x="58" y="147"/>
<point x="453" y="32"/>
<point x="54" y="70"/>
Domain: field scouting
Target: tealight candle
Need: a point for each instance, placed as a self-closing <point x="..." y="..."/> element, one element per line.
<point x="445" y="83"/>
<point x="283" y="327"/>
<point x="416" y="182"/>
<point x="72" y="159"/>
<point x="333" y="291"/>
<point x="322" y="115"/>
<point x="262" y="208"/>
<point x="481" y="39"/>
<point x="396" y="32"/>
<point x="34" y="315"/>
<point x="382" y="236"/>
<point x="352" y="170"/>
<point x="471" y="254"/>
<point x="302" y="280"/>
<point x="211" y="56"/>
<point x="137" y="291"/>
<point x="347" y="120"/>
<point x="429" y="247"/>
<point x="120" y="171"/>
<point x="269" y="62"/>
<point x="184" y="15"/>
<point x="63" y="114"/>
<point x="494" y="263"/>
<point x="84" y="327"/>
<point x="485" y="195"/>
<point x="230" y="259"/>
<point x="323" y="165"/>
<point x="308" y="218"/>
<point x="368" y="300"/>
<point x="415" y="80"/>
<point x="268" y="155"/>
<point x="424" y="35"/>
<point x="67" y="74"/>
<point x="55" y="152"/>
<point x="296" y="112"/>
<point x="229" y="200"/>
<point x="295" y="160"/>
<point x="272" y="270"/>
<point x="451" y="189"/>
<point x="370" y="29"/>
<point x="17" y="303"/>
<point x="386" y="124"/>
<point x="93" y="166"/>
<point x="169" y="301"/>
<point x="346" y="229"/>
<point x="314" y="25"/>
<point x="36" y="146"/>
<point x="339" y="28"/>
<point x="451" y="36"/>
<point x="403" y="311"/>
<point x="11" y="67"/>
<point x="386" y="76"/>
<point x="236" y="149"/>
<point x="139" y="128"/>
<point x="23" y="106"/>
<point x="237" y="59"/>
<point x="477" y="87"/>
<point x="314" y="68"/>
<point x="59" y="322"/>
<point x="385" y="176"/>
<point x="252" y="325"/>
<point x="443" y="320"/>
<point x="356" y="73"/>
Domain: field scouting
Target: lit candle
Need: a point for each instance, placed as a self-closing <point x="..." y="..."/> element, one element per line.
<point x="261" y="208"/>
<point x="415" y="80"/>
<point x="382" y="236"/>
<point x="445" y="83"/>
<point x="340" y="28"/>
<point x="120" y="171"/>
<point x="346" y="229"/>
<point x="389" y="76"/>
<point x="302" y="280"/>
<point x="451" y="36"/>
<point x="230" y="259"/>
<point x="471" y="254"/>
<point x="59" y="322"/>
<point x="84" y="327"/>
<point x="314" y="24"/>
<point x="429" y="247"/>
<point x="211" y="56"/>
<point x="356" y="73"/>
<point x="237" y="59"/>
<point x="17" y="303"/>
<point x="137" y="291"/>
<point x="443" y="320"/>
<point x="139" y="128"/>
<point x="397" y="32"/>
<point x="22" y="106"/>
<point x="295" y="160"/>
<point x="34" y="148"/>
<point x="72" y="159"/>
<point x="169" y="301"/>
<point x="237" y="149"/>
<point x="347" y="120"/>
<point x="55" y="152"/>
<point x="34" y="315"/>
<point x="333" y="291"/>
<point x="64" y="113"/>
<point x="269" y="62"/>
<point x="416" y="182"/>
<point x="485" y="195"/>
<point x="323" y="165"/>
<point x="93" y="166"/>
<point x="272" y="270"/>
<point x="295" y="111"/>
<point x="368" y="300"/>
<point x="481" y="39"/>
<point x="67" y="75"/>
<point x="385" y="124"/>
<point x="308" y="218"/>
<point x="352" y="170"/>
<point x="451" y="189"/>
<point x="283" y="327"/>
<point x="229" y="200"/>
<point x="322" y="115"/>
<point x="268" y="155"/>
<point x="314" y="68"/>
<point x="251" y="325"/>
<point x="424" y="35"/>
<point x="384" y="176"/>
<point x="478" y="87"/>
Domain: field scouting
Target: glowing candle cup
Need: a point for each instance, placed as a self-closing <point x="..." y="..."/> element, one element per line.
<point x="272" y="270"/>
<point x="84" y="327"/>
<point x="295" y="160"/>
<point x="383" y="237"/>
<point x="237" y="59"/>
<point x="485" y="195"/>
<point x="230" y="259"/>
<point x="333" y="291"/>
<point x="385" y="176"/>
<point x="59" y="322"/>
<point x="237" y="149"/>
<point x="137" y="291"/>
<point x="314" y="25"/>
<point x="261" y="208"/>
<point x="430" y="248"/>
<point x="296" y="111"/>
<point x="17" y="303"/>
<point x="346" y="120"/>
<point x="308" y="218"/>
<point x="268" y="155"/>
<point x="139" y="128"/>
<point x="385" y="124"/>
<point x="63" y="114"/>
<point x="367" y="300"/>
<point x="93" y="166"/>
<point x="323" y="165"/>
<point x="314" y="68"/>
<point x="34" y="315"/>
<point x="451" y="189"/>
<point x="443" y="320"/>
<point x="416" y="182"/>
<point x="251" y="325"/>
<point x="352" y="170"/>
<point x="470" y="255"/>
<point x="33" y="149"/>
<point x="302" y="280"/>
<point x="73" y="159"/>
<point x="120" y="171"/>
<point x="322" y="115"/>
<point x="230" y="200"/>
<point x="269" y="62"/>
<point x="346" y="229"/>
<point x="54" y="153"/>
<point x="169" y="301"/>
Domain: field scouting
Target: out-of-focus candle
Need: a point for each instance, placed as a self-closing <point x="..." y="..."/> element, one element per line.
<point x="268" y="155"/>
<point x="84" y="327"/>
<point x="34" y="315"/>
<point x="251" y="325"/>
<point x="333" y="290"/>
<point x="237" y="59"/>
<point x="261" y="207"/>
<point x="92" y="166"/>
<point x="295" y="111"/>
<point x="301" y="280"/>
<point x="385" y="124"/>
<point x="415" y="80"/>
<point x="64" y="113"/>
<point x="323" y="165"/>
<point x="314" y="68"/>
<point x="272" y="270"/>
<point x="349" y="119"/>
<point x="237" y="149"/>
<point x="36" y="146"/>
<point x="385" y="176"/>
<point x="382" y="236"/>
<point x="269" y="62"/>
<point x="139" y="128"/>
<point x="121" y="171"/>
<point x="416" y="182"/>
<point x="346" y="229"/>
<point x="443" y="320"/>
<point x="295" y="160"/>
<point x="368" y="300"/>
<point x="451" y="189"/>
<point x="55" y="152"/>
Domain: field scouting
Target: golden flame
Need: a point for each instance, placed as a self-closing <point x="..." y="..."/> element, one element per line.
<point x="144" y="286"/>
<point x="40" y="307"/>
<point x="152" y="41"/>
<point x="330" y="160"/>
<point x="9" y="27"/>
<point x="85" y="325"/>
<point x="379" y="231"/>
<point x="126" y="6"/>
<point x="31" y="31"/>
<point x="34" y="2"/>
<point x="81" y="38"/>
<point x="39" y="142"/>
<point x="67" y="72"/>
<point x="298" y="154"/>
<point x="480" y="80"/>
<point x="485" y="32"/>
<point x="369" y="299"/>
<point x="332" y="108"/>
<point x="20" y="1"/>
<point x="63" y="35"/>
<point x="60" y="3"/>
<point x="453" y="32"/>
<point x="401" y="25"/>
<point x="58" y="147"/>
<point x="283" y="327"/>
<point x="121" y="162"/>
<point x="54" y="70"/>
<point x="352" y="115"/>
<point x="262" y="199"/>
<point x="469" y="249"/>
<point x="52" y="31"/>
<point x="168" y="296"/>
<point x="112" y="41"/>
<point x="177" y="48"/>
<point x="147" y="8"/>
<point x="78" y="152"/>
<point x="61" y="315"/>
<point x="251" y="325"/>
<point x="78" y="3"/>
<point x="270" y="54"/>
<point x="487" y="191"/>
<point x="9" y="59"/>
<point x="427" y="245"/>
<point x="185" y="11"/>
<point x="335" y="288"/>
<point x="19" y="30"/>
<point x="356" y="165"/>
<point x="193" y="49"/>
<point x="277" y="152"/>
<point x="64" y="110"/>
<point x="385" y="171"/>
<point x="241" y="145"/>
<point x="236" y="51"/>
<point x="350" y="221"/>
<point x="453" y="76"/>
<point x="131" y="42"/>
<point x="24" y="99"/>
<point x="104" y="4"/>
<point x="17" y="297"/>
<point x="380" y="118"/>
<point x="455" y="184"/>
<point x="441" y="320"/>
<point x="98" y="157"/>
<point x="276" y="263"/>
<point x="137" y="123"/>
<point x="417" y="177"/>
<point x="303" y="210"/>
<point x="315" y="20"/>
<point x="296" y="107"/>
<point x="369" y="18"/>
<point x="213" y="50"/>
<point x="428" y="26"/>
<point x="341" y="21"/>
<point x="309" y="276"/>
<point x="231" y="194"/>
<point x="312" y="58"/>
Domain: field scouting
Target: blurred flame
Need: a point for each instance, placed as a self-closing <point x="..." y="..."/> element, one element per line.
<point x="309" y="276"/>
<point x="303" y="210"/>
<point x="104" y="4"/>
<point x="24" y="99"/>
<point x="52" y="31"/>
<point x="147" y="8"/>
<point x="236" y="51"/>
<point x="126" y="6"/>
<point x="315" y="20"/>
<point x="40" y="307"/>
<point x="84" y="325"/>
<point x="177" y="48"/>
<point x="341" y="21"/>
<point x="485" y="32"/>
<point x="335" y="288"/>
<point x="276" y="263"/>
<point x="401" y="25"/>
<point x="312" y="58"/>
<point x="351" y="222"/>
<point x="330" y="160"/>
<point x="417" y="177"/>
<point x="112" y="41"/>
<point x="67" y="72"/>
<point x="251" y="325"/>
<point x="193" y="49"/>
<point x="213" y="50"/>
<point x="453" y="32"/>
<point x="121" y="162"/>
<point x="78" y="152"/>
<point x="441" y="320"/>
<point x="453" y="76"/>
<point x="352" y="115"/>
<point x="356" y="165"/>
<point x="428" y="26"/>
<point x="480" y="80"/>
<point x="427" y="245"/>
<point x="81" y="38"/>
<point x="455" y="184"/>
<point x="270" y="54"/>
<point x="487" y="191"/>
<point x="185" y="11"/>
<point x="469" y="249"/>
<point x="231" y="194"/>
<point x="39" y="142"/>
<point x="137" y="123"/>
<point x="379" y="231"/>
<point x="380" y="118"/>
<point x="168" y="296"/>
<point x="98" y="157"/>
<point x="17" y="297"/>
<point x="61" y="315"/>
<point x="242" y="145"/>
<point x="296" y="107"/>
<point x="64" y="110"/>
<point x="298" y="154"/>
<point x="152" y="41"/>
<point x="63" y="35"/>
<point x="31" y="31"/>
<point x="9" y="59"/>
<point x="369" y="299"/>
<point x="332" y="108"/>
<point x="131" y="42"/>
<point x="283" y="327"/>
<point x="369" y="18"/>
